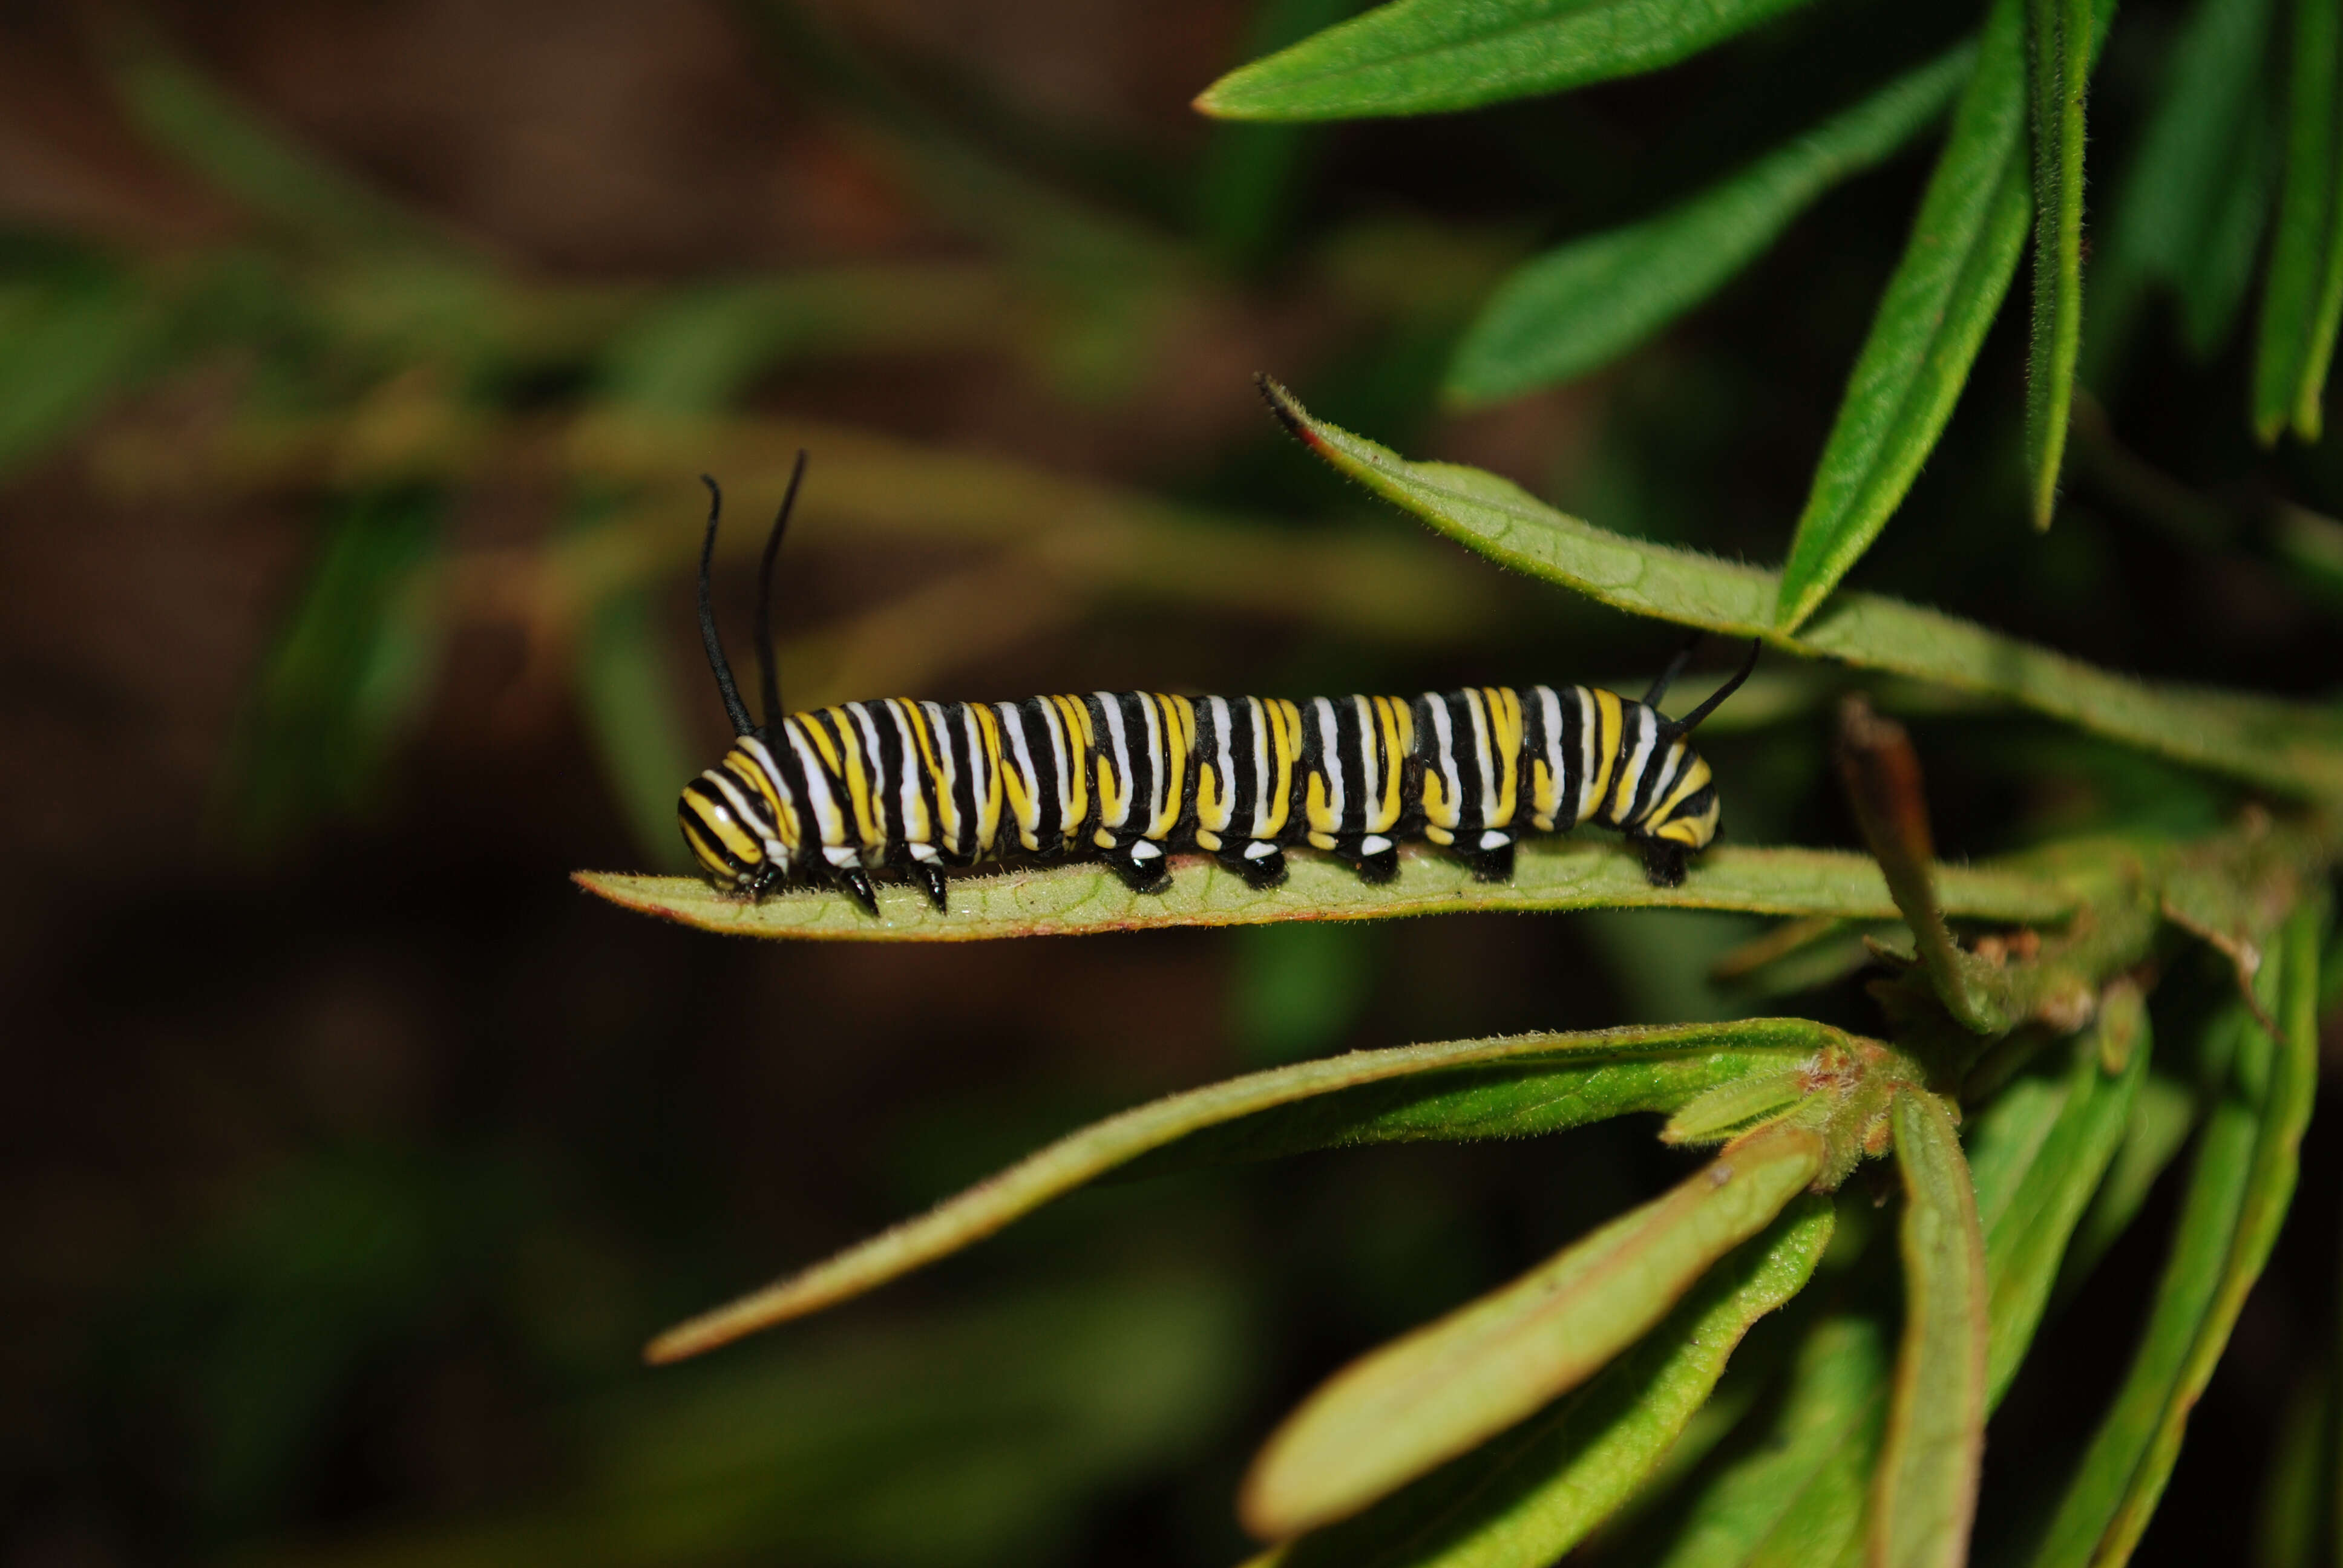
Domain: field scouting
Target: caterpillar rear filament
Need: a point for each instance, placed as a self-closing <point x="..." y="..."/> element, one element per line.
<point x="1129" y="777"/>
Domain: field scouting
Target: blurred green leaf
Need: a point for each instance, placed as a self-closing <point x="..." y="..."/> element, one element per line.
<point x="1425" y="56"/>
<point x="626" y="690"/>
<point x="274" y="175"/>
<point x="2294" y="747"/>
<point x="1925" y="1497"/>
<point x="1025" y="900"/>
<point x="1931" y="321"/>
<point x="1426" y="1398"/>
<point x="2025" y="1238"/>
<point x="953" y="1443"/>
<point x="2163" y="1113"/>
<point x="1299" y="986"/>
<point x="1551" y="1080"/>
<point x="1245" y="187"/>
<point x="2189" y="210"/>
<point x="2237" y="1197"/>
<point x="2059" y="70"/>
<point x="2289" y="359"/>
<point x="73" y="332"/>
<point x="1793" y="1496"/>
<point x="347" y="675"/>
<point x="2298" y="1481"/>
<point x="1527" y="1496"/>
<point x="1582" y="305"/>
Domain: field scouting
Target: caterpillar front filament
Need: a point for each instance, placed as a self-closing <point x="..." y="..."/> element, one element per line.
<point x="1129" y="777"/>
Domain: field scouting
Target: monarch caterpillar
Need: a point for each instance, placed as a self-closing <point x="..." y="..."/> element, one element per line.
<point x="1129" y="777"/>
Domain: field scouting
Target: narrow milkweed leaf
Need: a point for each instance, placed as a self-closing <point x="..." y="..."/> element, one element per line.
<point x="1931" y="321"/>
<point x="2291" y="1064"/>
<point x="1484" y="1105"/>
<point x="2296" y="748"/>
<point x="2327" y="314"/>
<point x="1794" y="1496"/>
<point x="1065" y="899"/>
<point x="2292" y="285"/>
<point x="1421" y="1400"/>
<point x="1527" y="1496"/>
<point x="2188" y="212"/>
<point x="1585" y="303"/>
<point x="2059" y="40"/>
<point x="1425" y="56"/>
<point x="2026" y="1238"/>
<point x="2237" y="1197"/>
<point x="2295" y="1494"/>
<point x="1924" y="1497"/>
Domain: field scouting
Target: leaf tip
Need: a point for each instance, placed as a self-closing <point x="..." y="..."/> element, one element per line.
<point x="1289" y="412"/>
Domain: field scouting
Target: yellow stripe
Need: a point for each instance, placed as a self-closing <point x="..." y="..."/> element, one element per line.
<point x="1285" y="742"/>
<point x="1505" y="740"/>
<point x="728" y="829"/>
<point x="1179" y="740"/>
<point x="1694" y="775"/>
<point x="1607" y="725"/>
<point x="1024" y="802"/>
<point x="868" y="822"/>
<point x="931" y="774"/>
<point x="987" y="805"/>
<point x="1080" y="742"/>
<point x="1211" y="790"/>
<point x="1395" y="725"/>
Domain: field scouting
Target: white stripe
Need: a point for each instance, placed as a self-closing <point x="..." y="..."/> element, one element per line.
<point x="1061" y="751"/>
<point x="1121" y="744"/>
<point x="917" y="829"/>
<point x="1227" y="770"/>
<point x="870" y="755"/>
<point x="1154" y="708"/>
<point x="1370" y="773"/>
<point x="1485" y="751"/>
<point x="1443" y="733"/>
<point x="1330" y="759"/>
<point x="1550" y="709"/>
<point x="1623" y="788"/>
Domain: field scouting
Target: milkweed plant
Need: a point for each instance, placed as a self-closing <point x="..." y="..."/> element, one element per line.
<point x="2022" y="1081"/>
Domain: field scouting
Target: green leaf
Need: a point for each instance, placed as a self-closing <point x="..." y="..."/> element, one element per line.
<point x="1795" y="1497"/>
<point x="1422" y="1400"/>
<point x="347" y="675"/>
<point x="2292" y="747"/>
<point x="1931" y="321"/>
<point x="2163" y="1113"/>
<point x="1525" y="1498"/>
<point x="2190" y="209"/>
<point x="2026" y="1237"/>
<point x="2059" y="69"/>
<point x="68" y="341"/>
<point x="2237" y="1198"/>
<point x="1582" y="305"/>
<point x="2287" y="355"/>
<point x="1547" y="875"/>
<point x="626" y="692"/>
<point x="1924" y="1497"/>
<point x="1425" y="56"/>
<point x="1546" y="1081"/>
<point x="2296" y="1489"/>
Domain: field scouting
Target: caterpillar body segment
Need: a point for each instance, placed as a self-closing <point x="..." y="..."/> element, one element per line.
<point x="898" y="787"/>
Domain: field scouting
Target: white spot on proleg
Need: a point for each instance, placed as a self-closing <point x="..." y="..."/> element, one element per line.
<point x="1373" y="844"/>
<point x="1143" y="850"/>
<point x="1493" y="839"/>
<point x="1259" y="850"/>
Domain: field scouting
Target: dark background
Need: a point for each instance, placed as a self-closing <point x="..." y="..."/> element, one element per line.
<point x="352" y="1154"/>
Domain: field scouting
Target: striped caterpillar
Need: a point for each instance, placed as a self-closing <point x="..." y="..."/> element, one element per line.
<point x="1130" y="778"/>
